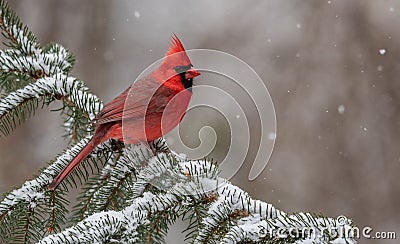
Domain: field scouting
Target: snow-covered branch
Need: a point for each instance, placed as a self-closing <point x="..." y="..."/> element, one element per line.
<point x="33" y="190"/>
<point x="230" y="210"/>
<point x="54" y="60"/>
<point x="60" y="86"/>
<point x="18" y="35"/>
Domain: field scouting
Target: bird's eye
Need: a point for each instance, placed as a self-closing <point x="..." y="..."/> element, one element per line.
<point x="179" y="69"/>
<point x="182" y="69"/>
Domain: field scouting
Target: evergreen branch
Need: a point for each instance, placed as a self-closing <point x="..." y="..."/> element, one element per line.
<point x="103" y="224"/>
<point x="53" y="60"/>
<point x="116" y="176"/>
<point x="34" y="189"/>
<point x="18" y="34"/>
<point x="102" y="153"/>
<point x="291" y="228"/>
<point x="154" y="170"/>
<point x="82" y="210"/>
<point x="10" y="230"/>
<point x="114" y="194"/>
<point x="53" y="212"/>
<point x="196" y="212"/>
<point x="77" y="123"/>
<point x="11" y="117"/>
<point x="26" y="221"/>
<point x="56" y="59"/>
<point x="232" y="215"/>
<point x="11" y="81"/>
<point x="26" y="227"/>
<point x="231" y="199"/>
<point x="110" y="223"/>
<point x="25" y="99"/>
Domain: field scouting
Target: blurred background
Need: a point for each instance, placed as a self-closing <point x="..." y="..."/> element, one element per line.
<point x="331" y="68"/>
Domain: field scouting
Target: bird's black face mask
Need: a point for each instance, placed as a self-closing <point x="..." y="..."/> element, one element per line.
<point x="187" y="82"/>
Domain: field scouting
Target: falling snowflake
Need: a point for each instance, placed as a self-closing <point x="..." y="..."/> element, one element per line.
<point x="271" y="136"/>
<point x="341" y="109"/>
<point x="137" y="14"/>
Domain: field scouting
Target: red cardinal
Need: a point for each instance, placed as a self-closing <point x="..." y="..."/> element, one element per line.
<point x="148" y="109"/>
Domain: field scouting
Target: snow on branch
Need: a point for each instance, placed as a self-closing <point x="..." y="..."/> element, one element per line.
<point x="31" y="74"/>
<point x="112" y="179"/>
<point x="185" y="184"/>
<point x="18" y="34"/>
<point x="59" y="86"/>
<point x="298" y="227"/>
<point x="95" y="229"/>
<point x="33" y="190"/>
<point x="52" y="61"/>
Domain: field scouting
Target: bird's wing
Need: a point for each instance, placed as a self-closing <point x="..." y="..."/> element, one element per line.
<point x="142" y="100"/>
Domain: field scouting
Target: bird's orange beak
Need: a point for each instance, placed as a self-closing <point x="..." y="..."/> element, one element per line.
<point x="191" y="73"/>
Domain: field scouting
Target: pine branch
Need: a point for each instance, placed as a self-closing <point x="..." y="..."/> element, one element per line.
<point x="11" y="81"/>
<point x="34" y="199"/>
<point x="55" y="60"/>
<point x="18" y="34"/>
<point x="13" y="108"/>
<point x="34" y="189"/>
<point x="232" y="215"/>
<point x="116" y="176"/>
<point x="26" y="62"/>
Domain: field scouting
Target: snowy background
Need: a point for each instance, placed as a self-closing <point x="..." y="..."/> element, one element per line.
<point x="331" y="67"/>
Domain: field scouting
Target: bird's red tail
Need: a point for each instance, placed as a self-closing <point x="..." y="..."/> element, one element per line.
<point x="73" y="164"/>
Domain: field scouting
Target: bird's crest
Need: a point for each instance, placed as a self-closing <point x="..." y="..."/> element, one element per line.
<point x="176" y="54"/>
<point x="176" y="46"/>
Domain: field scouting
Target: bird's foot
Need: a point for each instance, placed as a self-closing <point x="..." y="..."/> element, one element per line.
<point x="159" y="146"/>
<point x="116" y="145"/>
